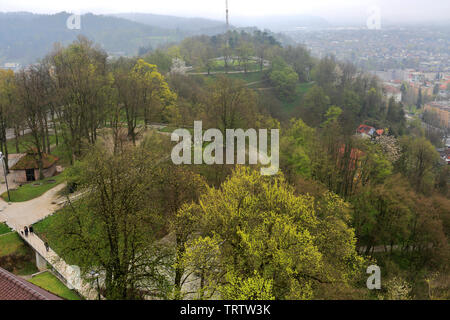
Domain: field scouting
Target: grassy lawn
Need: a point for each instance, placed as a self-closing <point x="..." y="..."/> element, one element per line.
<point x="31" y="190"/>
<point x="46" y="228"/>
<point x="4" y="229"/>
<point x="60" y="151"/>
<point x="16" y="256"/>
<point x="11" y="243"/>
<point x="247" y="77"/>
<point x="233" y="65"/>
<point x="300" y="91"/>
<point x="42" y="227"/>
<point x="25" y="143"/>
<point x="49" y="282"/>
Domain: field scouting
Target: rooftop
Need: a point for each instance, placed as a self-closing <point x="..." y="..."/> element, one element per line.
<point x="28" y="161"/>
<point x="15" y="288"/>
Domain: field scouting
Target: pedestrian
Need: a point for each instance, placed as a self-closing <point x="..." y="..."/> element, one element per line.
<point x="46" y="245"/>
<point x="31" y="229"/>
<point x="26" y="231"/>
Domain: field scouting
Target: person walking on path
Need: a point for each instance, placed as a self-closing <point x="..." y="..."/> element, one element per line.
<point x="26" y="231"/>
<point x="46" y="246"/>
<point x="31" y="229"/>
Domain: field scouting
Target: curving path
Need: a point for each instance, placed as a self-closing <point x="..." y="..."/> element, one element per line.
<point x="20" y="214"/>
<point x="17" y="215"/>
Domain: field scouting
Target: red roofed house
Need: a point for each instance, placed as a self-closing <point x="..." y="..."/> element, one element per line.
<point x="366" y="131"/>
<point x="15" y="288"/>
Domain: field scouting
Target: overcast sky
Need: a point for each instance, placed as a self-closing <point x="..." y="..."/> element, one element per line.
<point x="401" y="10"/>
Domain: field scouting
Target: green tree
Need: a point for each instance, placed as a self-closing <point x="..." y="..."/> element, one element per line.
<point x="284" y="78"/>
<point x="6" y="109"/>
<point x="81" y="81"/>
<point x="419" y="99"/>
<point x="258" y="231"/>
<point x="296" y="145"/>
<point x="316" y="104"/>
<point x="332" y="115"/>
<point x="159" y="58"/>
<point x="300" y="59"/>
<point x="418" y="162"/>
<point x="114" y="229"/>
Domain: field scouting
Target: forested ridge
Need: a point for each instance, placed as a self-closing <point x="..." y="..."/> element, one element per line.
<point x="156" y="230"/>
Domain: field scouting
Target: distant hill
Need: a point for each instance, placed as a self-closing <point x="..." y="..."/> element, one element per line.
<point x="26" y="37"/>
<point x="279" y="23"/>
<point x="189" y="25"/>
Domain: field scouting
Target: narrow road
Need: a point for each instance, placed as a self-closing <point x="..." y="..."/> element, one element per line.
<point x="222" y="72"/>
<point x="11" y="135"/>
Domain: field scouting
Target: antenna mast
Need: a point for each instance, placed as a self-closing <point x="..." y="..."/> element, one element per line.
<point x="226" y="5"/>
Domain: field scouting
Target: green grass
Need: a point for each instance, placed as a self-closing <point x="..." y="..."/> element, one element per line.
<point x="301" y="89"/>
<point x="49" y="282"/>
<point x="26" y="143"/>
<point x="63" y="155"/>
<point x="16" y="256"/>
<point x="31" y="191"/>
<point x="247" y="77"/>
<point x="4" y="229"/>
<point x="233" y="65"/>
<point x="11" y="243"/>
<point x="42" y="227"/>
<point x="48" y="230"/>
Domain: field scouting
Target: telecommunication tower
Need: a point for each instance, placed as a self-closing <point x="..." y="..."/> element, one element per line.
<point x="226" y="6"/>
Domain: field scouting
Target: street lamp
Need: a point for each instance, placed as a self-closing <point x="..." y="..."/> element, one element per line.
<point x="96" y="275"/>
<point x="2" y="158"/>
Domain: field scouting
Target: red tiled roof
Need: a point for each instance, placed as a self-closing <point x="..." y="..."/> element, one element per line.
<point x="365" y="128"/>
<point x="15" y="288"/>
<point x="391" y="89"/>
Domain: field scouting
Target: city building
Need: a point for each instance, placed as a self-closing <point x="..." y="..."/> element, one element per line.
<point x="442" y="109"/>
<point x="393" y="91"/>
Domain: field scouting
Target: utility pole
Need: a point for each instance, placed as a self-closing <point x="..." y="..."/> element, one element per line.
<point x="227" y="37"/>
<point x="2" y="159"/>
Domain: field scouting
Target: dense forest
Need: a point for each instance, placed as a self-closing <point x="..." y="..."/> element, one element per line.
<point x="27" y="37"/>
<point x="156" y="230"/>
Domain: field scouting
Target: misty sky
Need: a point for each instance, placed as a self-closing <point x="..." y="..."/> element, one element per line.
<point x="334" y="10"/>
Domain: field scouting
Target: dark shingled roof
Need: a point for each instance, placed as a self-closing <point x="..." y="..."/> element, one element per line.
<point x="15" y="288"/>
<point x="28" y="161"/>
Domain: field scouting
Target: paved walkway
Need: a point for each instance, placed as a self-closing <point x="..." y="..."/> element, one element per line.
<point x="29" y="212"/>
<point x="223" y="72"/>
<point x="17" y="215"/>
<point x="70" y="273"/>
